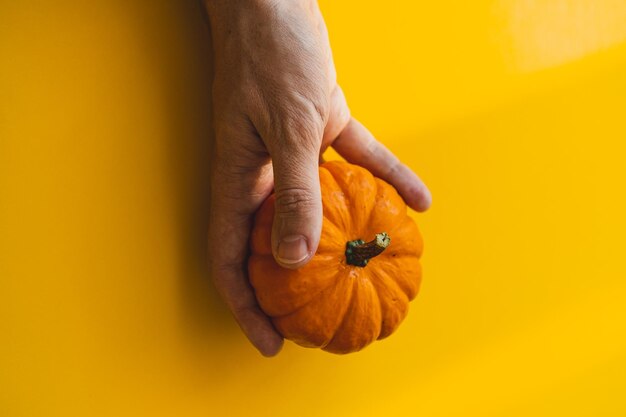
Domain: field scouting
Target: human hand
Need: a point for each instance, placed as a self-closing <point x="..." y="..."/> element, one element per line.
<point x="277" y="106"/>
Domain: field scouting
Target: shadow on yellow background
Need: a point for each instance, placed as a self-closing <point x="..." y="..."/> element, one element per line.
<point x="514" y="112"/>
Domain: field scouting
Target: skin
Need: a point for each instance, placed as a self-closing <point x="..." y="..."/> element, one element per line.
<point x="277" y="106"/>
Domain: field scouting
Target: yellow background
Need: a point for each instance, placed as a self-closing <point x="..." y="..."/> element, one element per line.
<point x="514" y="112"/>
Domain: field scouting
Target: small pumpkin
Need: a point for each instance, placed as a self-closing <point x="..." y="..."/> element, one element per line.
<point x="352" y="292"/>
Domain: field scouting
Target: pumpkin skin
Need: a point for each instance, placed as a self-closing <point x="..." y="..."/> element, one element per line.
<point x="328" y="303"/>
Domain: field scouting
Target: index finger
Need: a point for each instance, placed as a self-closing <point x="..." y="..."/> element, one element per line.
<point x="359" y="146"/>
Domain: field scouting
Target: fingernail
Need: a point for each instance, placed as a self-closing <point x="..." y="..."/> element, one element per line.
<point x="293" y="249"/>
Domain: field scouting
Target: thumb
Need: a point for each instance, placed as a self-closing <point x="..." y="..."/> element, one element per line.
<point x="298" y="206"/>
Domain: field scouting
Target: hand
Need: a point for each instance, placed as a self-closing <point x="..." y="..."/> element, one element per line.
<point x="277" y="106"/>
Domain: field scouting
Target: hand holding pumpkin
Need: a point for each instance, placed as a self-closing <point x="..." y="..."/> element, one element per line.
<point x="352" y="292"/>
<point x="277" y="106"/>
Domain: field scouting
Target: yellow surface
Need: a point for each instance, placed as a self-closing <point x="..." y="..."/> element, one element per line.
<point x="514" y="112"/>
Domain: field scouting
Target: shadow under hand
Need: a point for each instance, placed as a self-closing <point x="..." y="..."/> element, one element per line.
<point x="185" y="71"/>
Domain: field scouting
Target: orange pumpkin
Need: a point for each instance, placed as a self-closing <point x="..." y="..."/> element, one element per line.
<point x="351" y="293"/>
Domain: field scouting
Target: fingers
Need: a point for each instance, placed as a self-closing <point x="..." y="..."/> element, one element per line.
<point x="298" y="208"/>
<point x="358" y="146"/>
<point x="230" y="223"/>
<point x="231" y="281"/>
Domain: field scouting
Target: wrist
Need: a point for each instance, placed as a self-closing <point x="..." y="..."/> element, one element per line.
<point x="224" y="7"/>
<point x="226" y="15"/>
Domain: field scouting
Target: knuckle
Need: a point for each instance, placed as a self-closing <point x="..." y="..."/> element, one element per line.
<point x="302" y="119"/>
<point x="294" y="201"/>
<point x="371" y="147"/>
<point x="303" y="125"/>
<point x="393" y="168"/>
<point x="317" y="111"/>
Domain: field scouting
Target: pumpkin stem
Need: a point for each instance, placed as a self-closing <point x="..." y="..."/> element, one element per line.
<point x="358" y="252"/>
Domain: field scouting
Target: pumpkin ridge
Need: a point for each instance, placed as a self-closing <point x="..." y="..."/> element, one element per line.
<point x="406" y="244"/>
<point x="314" y="297"/>
<point x="400" y="276"/>
<point x="380" y="278"/>
<point x="336" y="185"/>
<point x="315" y="324"/>
<point x="397" y="226"/>
<point x="337" y="169"/>
<point x="394" y="227"/>
<point x="379" y="304"/>
<point x="386" y="277"/>
<point x="328" y="270"/>
<point x="345" y="314"/>
<point x="387" y="194"/>
<point x="336" y="227"/>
